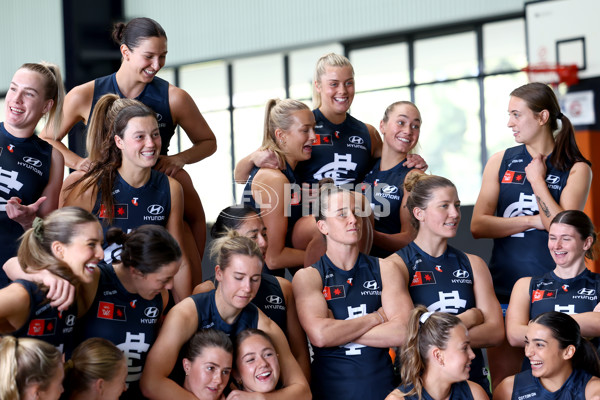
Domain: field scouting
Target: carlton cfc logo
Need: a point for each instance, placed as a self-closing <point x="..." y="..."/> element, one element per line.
<point x="155" y="209"/>
<point x="273" y="299"/>
<point x="32" y="161"/>
<point x="356" y="140"/>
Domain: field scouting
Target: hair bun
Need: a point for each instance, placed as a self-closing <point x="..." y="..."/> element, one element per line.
<point x="116" y="235"/>
<point x="117" y="33"/>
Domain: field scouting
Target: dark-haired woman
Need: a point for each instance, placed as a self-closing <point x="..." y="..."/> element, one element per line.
<point x="32" y="171"/>
<point x="523" y="188"/>
<point x="570" y="288"/>
<point x="442" y="277"/>
<point x="436" y="359"/>
<point x="122" y="188"/>
<point x="274" y="296"/>
<point x="143" y="46"/>
<point x="564" y="365"/>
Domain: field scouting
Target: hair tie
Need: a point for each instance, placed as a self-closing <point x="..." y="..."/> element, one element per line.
<point x="560" y="115"/>
<point x="16" y="343"/>
<point x="69" y="364"/>
<point x="38" y="228"/>
<point x="425" y="316"/>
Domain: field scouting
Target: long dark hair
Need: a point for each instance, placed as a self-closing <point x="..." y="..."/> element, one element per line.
<point x="231" y="219"/>
<point x="539" y="97"/>
<point x="582" y="224"/>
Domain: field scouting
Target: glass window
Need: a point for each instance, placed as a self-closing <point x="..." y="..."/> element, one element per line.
<point x="257" y="79"/>
<point x="207" y="84"/>
<point x="2" y="114"/>
<point x="450" y="138"/>
<point x="446" y="57"/>
<point x="212" y="176"/>
<point x="497" y="92"/>
<point x="381" y="67"/>
<point x="168" y="74"/>
<point x="504" y="46"/>
<point x="369" y="107"/>
<point x="302" y="69"/>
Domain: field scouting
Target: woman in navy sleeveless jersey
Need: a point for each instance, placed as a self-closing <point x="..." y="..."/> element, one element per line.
<point x="68" y="244"/>
<point x="228" y="309"/>
<point x="564" y="365"/>
<point x="274" y="296"/>
<point x="436" y="359"/>
<point x="32" y="171"/>
<point x="400" y="127"/>
<point x="143" y="47"/>
<point x="443" y="278"/>
<point x="352" y="306"/>
<point x="570" y="288"/>
<point x="522" y="189"/>
<point x="122" y="188"/>
<point x="289" y="133"/>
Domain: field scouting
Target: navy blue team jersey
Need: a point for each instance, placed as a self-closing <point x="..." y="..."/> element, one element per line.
<point x="24" y="173"/>
<point x="341" y="152"/>
<point x="458" y="391"/>
<point x="385" y="191"/>
<point x="209" y="317"/>
<point x="525" y="253"/>
<point x="47" y="323"/>
<point x="351" y="371"/>
<point x="444" y="284"/>
<point x="155" y="95"/>
<point x="527" y="386"/>
<point x="269" y="299"/>
<point x="128" y="320"/>
<point x="133" y="207"/>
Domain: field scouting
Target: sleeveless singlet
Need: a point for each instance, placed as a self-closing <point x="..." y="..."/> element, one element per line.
<point x="155" y="95"/>
<point x="385" y="190"/>
<point x="269" y="299"/>
<point x="47" y="323"/>
<point x="341" y="152"/>
<point x="24" y="173"/>
<point x="444" y="284"/>
<point x="351" y="371"/>
<point x="133" y="207"/>
<point x="525" y="253"/>
<point x="128" y="320"/>
<point x="528" y="387"/>
<point x="458" y="391"/>
<point x="209" y="317"/>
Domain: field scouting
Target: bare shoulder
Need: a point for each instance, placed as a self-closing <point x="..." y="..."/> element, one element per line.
<point x="477" y="391"/>
<point x="504" y="390"/>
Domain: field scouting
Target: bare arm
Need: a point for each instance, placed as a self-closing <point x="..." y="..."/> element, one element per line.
<point x="85" y="200"/>
<point x="270" y="185"/>
<point x="376" y="142"/>
<point x="477" y="391"/>
<point x="589" y="323"/>
<point x="573" y="196"/>
<point x="491" y="331"/>
<point x="186" y="114"/>
<point x="14" y="308"/>
<point x="52" y="189"/>
<point x="484" y="223"/>
<point x="322" y="329"/>
<point x="397" y="305"/>
<point x="504" y="390"/>
<point x="76" y="107"/>
<point x="517" y="314"/>
<point x="259" y="158"/>
<point x="183" y="279"/>
<point x="178" y="328"/>
<point x="295" y="334"/>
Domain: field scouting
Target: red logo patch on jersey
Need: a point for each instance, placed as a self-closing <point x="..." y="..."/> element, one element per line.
<point x="565" y="287"/>
<point x="134" y="201"/>
<point x="438" y="268"/>
<point x="334" y="292"/>
<point x="120" y="211"/>
<point x="517" y="177"/>
<point x="11" y="148"/>
<point x="324" y="139"/>
<point x="41" y="327"/>
<point x="423" y="278"/>
<point x="108" y="310"/>
<point x="295" y="200"/>
<point x="538" y="295"/>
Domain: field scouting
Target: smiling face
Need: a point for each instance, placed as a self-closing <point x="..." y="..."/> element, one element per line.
<point x="336" y="88"/>
<point x="208" y="373"/>
<point x="402" y="129"/>
<point x="145" y="60"/>
<point x="299" y="137"/>
<point x="525" y="125"/>
<point x="83" y="252"/>
<point x="150" y="285"/>
<point x="341" y="224"/>
<point x="257" y="364"/>
<point x="458" y="355"/>
<point x="254" y="228"/>
<point x="239" y="281"/>
<point x="141" y="142"/>
<point x="442" y="213"/>
<point x="25" y="102"/>
<point x="546" y="357"/>
<point x="566" y="246"/>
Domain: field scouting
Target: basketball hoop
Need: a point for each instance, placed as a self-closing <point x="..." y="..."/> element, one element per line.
<point x="553" y="74"/>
